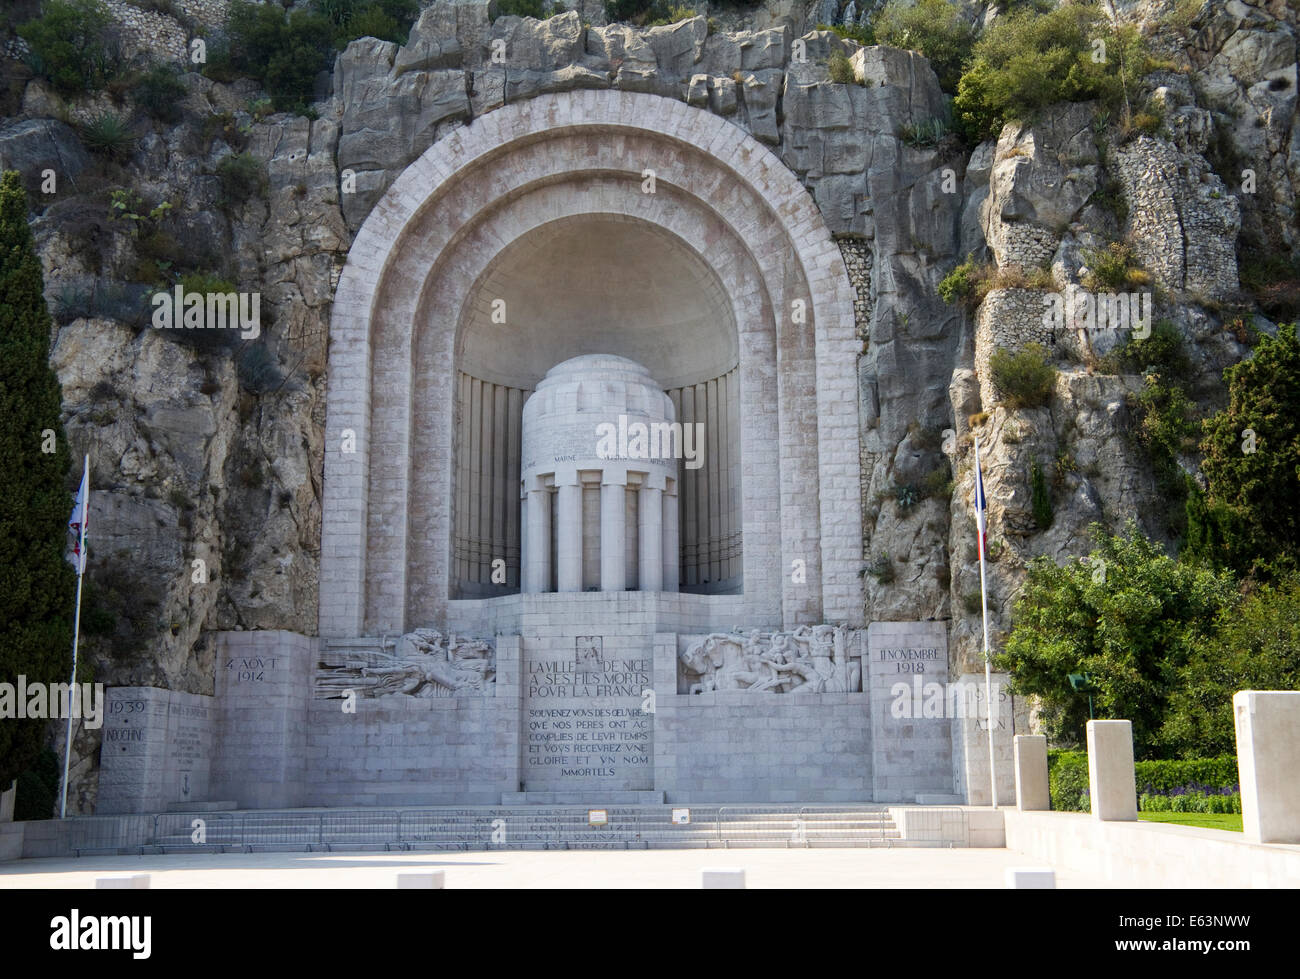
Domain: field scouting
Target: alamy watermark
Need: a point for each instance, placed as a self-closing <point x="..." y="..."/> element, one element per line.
<point x="656" y="440"/>
<point x="209" y="310"/>
<point x="52" y="701"/>
<point x="1083" y="310"/>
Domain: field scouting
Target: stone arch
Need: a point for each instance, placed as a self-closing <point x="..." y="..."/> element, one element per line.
<point x="400" y="305"/>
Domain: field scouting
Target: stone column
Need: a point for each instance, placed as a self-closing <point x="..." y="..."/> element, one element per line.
<point x="1112" y="779"/>
<point x="1032" y="793"/>
<point x="650" y="512"/>
<point x="671" y="555"/>
<point x="568" y="535"/>
<point x="613" y="532"/>
<point x="1268" y="757"/>
<point x="537" y="524"/>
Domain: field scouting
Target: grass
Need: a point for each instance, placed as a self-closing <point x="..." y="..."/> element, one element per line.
<point x="1206" y="820"/>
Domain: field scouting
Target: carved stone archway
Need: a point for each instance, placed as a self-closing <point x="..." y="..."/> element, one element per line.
<point x="406" y="306"/>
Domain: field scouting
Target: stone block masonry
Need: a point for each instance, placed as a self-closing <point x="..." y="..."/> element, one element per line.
<point x="593" y="686"/>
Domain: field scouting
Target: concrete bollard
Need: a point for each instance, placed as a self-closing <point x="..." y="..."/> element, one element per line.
<point x="1112" y="779"/>
<point x="1268" y="763"/>
<point x="1031" y="878"/>
<point x="130" y="882"/>
<point x="421" y="880"/>
<point x="1032" y="793"/>
<point x="713" y="878"/>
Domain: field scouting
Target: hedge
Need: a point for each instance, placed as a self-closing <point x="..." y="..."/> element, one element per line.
<point x="1166" y="781"/>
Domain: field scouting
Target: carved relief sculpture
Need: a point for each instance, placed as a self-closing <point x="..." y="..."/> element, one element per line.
<point x="809" y="659"/>
<point x="424" y="664"/>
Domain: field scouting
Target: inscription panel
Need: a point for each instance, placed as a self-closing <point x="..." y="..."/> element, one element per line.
<point x="583" y="717"/>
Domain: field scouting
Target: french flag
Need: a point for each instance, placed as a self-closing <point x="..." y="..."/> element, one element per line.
<point x="79" y="519"/>
<point x="981" y="504"/>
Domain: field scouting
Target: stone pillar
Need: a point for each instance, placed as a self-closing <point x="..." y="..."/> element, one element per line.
<point x="613" y="532"/>
<point x="537" y="543"/>
<point x="568" y="536"/>
<point x="1032" y="793"/>
<point x="671" y="553"/>
<point x="650" y="515"/>
<point x="1268" y="759"/>
<point x="1112" y="779"/>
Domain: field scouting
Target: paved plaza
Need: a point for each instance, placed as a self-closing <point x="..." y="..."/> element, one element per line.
<point x="764" y="868"/>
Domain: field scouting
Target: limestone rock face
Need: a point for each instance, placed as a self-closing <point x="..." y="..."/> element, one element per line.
<point x="32" y="146"/>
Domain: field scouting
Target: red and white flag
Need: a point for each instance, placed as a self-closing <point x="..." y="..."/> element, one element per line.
<point x="79" y="519"/>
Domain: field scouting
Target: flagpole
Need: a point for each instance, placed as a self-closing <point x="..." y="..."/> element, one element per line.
<point x="76" y="632"/>
<point x="984" y="605"/>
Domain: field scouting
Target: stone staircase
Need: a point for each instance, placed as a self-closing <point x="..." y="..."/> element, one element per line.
<point x="531" y="828"/>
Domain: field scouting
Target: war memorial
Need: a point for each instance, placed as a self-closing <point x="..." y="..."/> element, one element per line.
<point x="610" y="475"/>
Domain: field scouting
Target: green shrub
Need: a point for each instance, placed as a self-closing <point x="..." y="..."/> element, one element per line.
<point x="1130" y="618"/>
<point x="1247" y="519"/>
<point x="283" y="51"/>
<point x="536" y="9"/>
<point x="1024" y="379"/>
<point x="960" y="284"/>
<point x="841" y="70"/>
<point x="108" y="134"/>
<point x="38" y="788"/>
<point x="862" y="33"/>
<point x="1273" y="279"/>
<point x="242" y="177"/>
<point x="1067" y="780"/>
<point x="73" y="45"/>
<point x="259" y="371"/>
<point x="936" y="28"/>
<point x="1113" y="268"/>
<point x="1028" y="60"/>
<point x="1255" y="647"/>
<point x="159" y="92"/>
<point x="929" y="132"/>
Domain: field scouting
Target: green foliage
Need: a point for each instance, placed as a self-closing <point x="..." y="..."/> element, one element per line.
<point x="1067" y="780"/>
<point x="841" y="70"/>
<point x="936" y="28"/>
<point x="1028" y="60"/>
<point x="258" y="370"/>
<point x="283" y="51"/>
<point x="242" y="177"/>
<point x="1024" y="379"/>
<point x="388" y="20"/>
<point x="1257" y="647"/>
<point x="72" y="45"/>
<point x="536" y="9"/>
<point x="38" y="788"/>
<point x="928" y="132"/>
<point x="109" y="135"/>
<point x="906" y="496"/>
<point x="1041" y="495"/>
<point x="159" y="92"/>
<point x="1130" y="618"/>
<point x="1114" y="269"/>
<point x="881" y="568"/>
<point x="1273" y="279"/>
<point x="1191" y="802"/>
<point x="36" y="582"/>
<point x="1162" y="353"/>
<point x="1248" y="517"/>
<point x="959" y="285"/>
<point x="862" y="33"/>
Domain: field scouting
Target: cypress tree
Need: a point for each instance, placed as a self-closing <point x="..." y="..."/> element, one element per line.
<point x="37" y="584"/>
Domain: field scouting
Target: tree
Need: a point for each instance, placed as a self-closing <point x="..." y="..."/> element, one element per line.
<point x="1248" y="517"/>
<point x="1027" y="60"/>
<point x="1255" y="647"/>
<point x="36" y="582"/>
<point x="1129" y="618"/>
<point x="72" y="45"/>
<point x="936" y="28"/>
